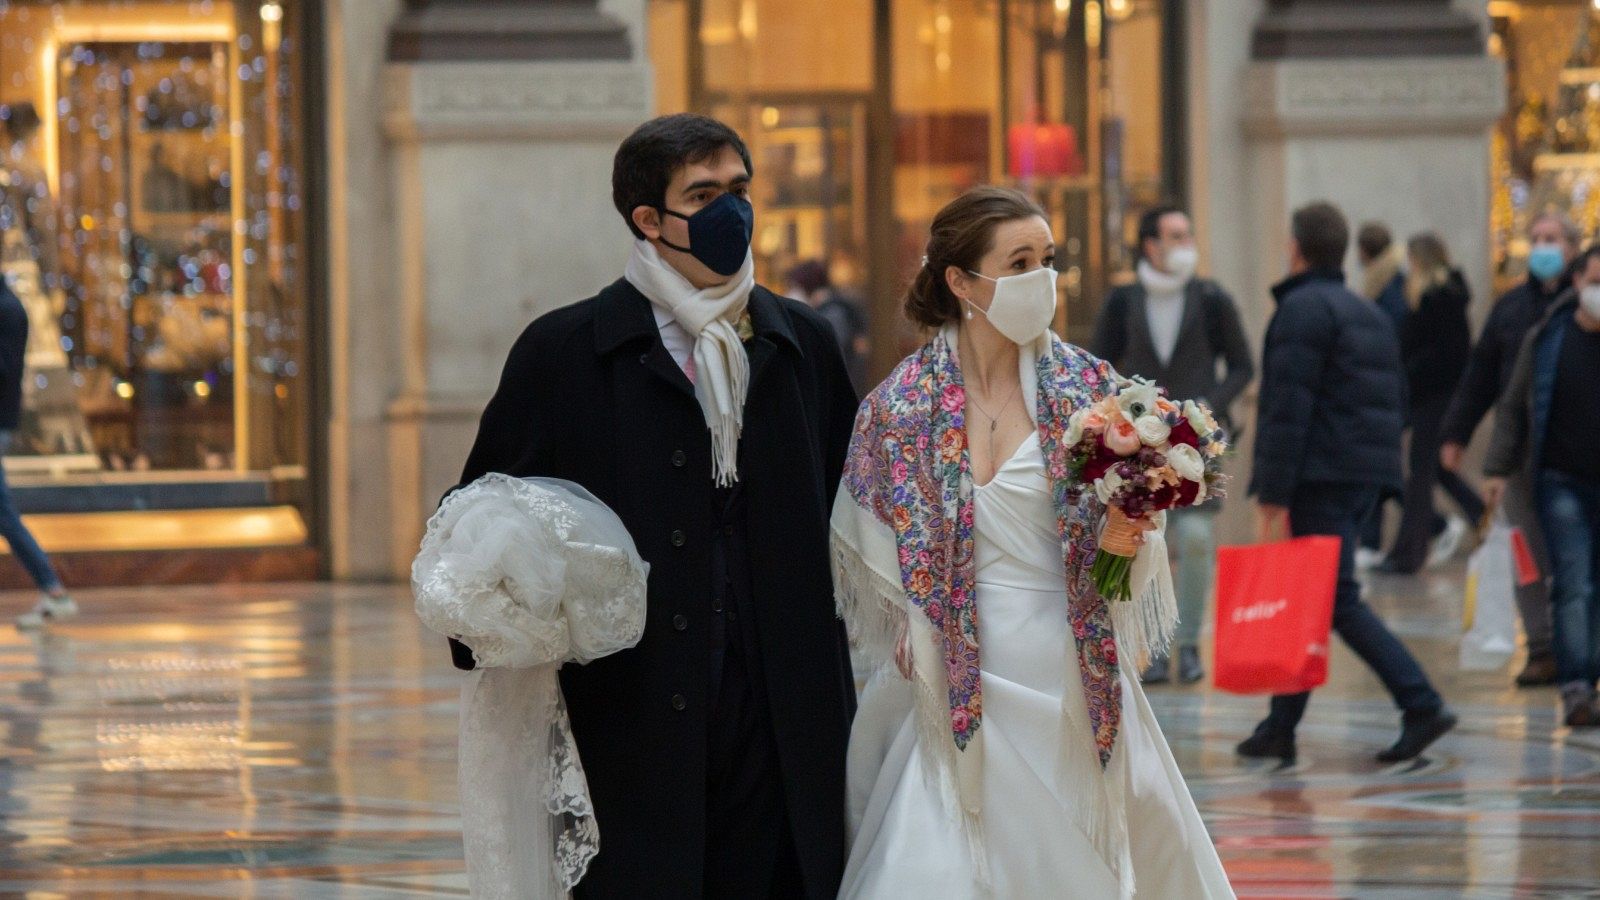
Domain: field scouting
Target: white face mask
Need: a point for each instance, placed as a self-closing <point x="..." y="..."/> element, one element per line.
<point x="1182" y="261"/>
<point x="1023" y="306"/>
<point x="1589" y="301"/>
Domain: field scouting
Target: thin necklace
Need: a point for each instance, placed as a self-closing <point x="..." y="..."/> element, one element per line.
<point x="994" y="421"/>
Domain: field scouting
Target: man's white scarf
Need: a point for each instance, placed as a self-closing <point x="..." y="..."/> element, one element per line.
<point x="722" y="369"/>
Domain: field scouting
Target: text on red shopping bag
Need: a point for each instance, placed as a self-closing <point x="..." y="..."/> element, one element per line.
<point x="1274" y="614"/>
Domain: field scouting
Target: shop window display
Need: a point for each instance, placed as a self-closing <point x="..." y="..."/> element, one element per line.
<point x="154" y="225"/>
<point x="860" y="134"/>
<point x="1546" y="152"/>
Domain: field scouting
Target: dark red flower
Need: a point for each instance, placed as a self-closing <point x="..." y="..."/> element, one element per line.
<point x="1184" y="433"/>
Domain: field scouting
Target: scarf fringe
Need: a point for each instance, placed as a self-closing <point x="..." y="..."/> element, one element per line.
<point x="1099" y="795"/>
<point x="1144" y="626"/>
<point x="873" y="610"/>
<point x="942" y="760"/>
<point x="867" y="602"/>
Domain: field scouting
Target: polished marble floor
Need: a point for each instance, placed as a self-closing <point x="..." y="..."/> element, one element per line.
<point x="298" y="742"/>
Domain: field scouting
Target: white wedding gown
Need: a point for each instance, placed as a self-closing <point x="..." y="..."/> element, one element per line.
<point x="907" y="843"/>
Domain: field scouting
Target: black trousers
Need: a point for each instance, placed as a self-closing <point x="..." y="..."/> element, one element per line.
<point x="1339" y="510"/>
<point x="750" y="850"/>
<point x="1423" y="473"/>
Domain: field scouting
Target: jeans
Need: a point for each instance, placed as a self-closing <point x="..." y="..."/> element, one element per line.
<point x="1570" y="509"/>
<point x="1340" y="510"/>
<point x="1192" y="535"/>
<point x="23" y="546"/>
<point x="1423" y="474"/>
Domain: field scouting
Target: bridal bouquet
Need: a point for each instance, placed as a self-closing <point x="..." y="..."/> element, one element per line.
<point x="1143" y="453"/>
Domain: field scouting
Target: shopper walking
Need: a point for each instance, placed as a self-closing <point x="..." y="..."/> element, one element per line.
<point x="1328" y="441"/>
<point x="1434" y="342"/>
<point x="1175" y="328"/>
<point x="1382" y="282"/>
<point x="55" y="604"/>
<point x="1553" y="240"/>
<point x="1547" y="428"/>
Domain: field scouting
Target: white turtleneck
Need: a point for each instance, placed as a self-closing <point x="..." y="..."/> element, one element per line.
<point x="1163" y="308"/>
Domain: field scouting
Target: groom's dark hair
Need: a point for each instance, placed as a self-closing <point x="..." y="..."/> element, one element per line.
<point x="647" y="160"/>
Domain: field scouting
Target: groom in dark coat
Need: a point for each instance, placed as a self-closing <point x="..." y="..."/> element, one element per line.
<point x="715" y="749"/>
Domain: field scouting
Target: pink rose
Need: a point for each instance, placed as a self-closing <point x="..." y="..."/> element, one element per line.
<point x="899" y="471"/>
<point x="922" y="442"/>
<point x="1094" y="422"/>
<point x="959" y="720"/>
<point x="1122" y="438"/>
<point x="953" y="399"/>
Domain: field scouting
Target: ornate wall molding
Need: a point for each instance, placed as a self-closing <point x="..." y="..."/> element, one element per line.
<point x="497" y="101"/>
<point x="1391" y="96"/>
<point x="481" y="30"/>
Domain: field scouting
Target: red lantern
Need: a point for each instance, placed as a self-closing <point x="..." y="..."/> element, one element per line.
<point x="1048" y="150"/>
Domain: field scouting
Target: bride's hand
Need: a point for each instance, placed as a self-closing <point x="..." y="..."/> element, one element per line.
<point x="1145" y="524"/>
<point x="902" y="649"/>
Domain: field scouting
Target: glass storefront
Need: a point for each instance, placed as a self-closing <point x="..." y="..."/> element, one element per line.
<point x="863" y="126"/>
<point x="1547" y="147"/>
<point x="155" y="228"/>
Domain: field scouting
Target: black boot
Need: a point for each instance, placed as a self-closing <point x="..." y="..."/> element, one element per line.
<point x="1157" y="672"/>
<point x="1268" y="742"/>
<point x="1189" y="668"/>
<point x="1417" y="734"/>
<point x="1539" y="672"/>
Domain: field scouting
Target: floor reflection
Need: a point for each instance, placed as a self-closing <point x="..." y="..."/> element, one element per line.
<point x="298" y="741"/>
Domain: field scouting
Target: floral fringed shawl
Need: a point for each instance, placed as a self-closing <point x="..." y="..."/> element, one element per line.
<point x="904" y="552"/>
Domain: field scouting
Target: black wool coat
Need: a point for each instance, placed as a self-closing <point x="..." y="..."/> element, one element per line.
<point x="1210" y="330"/>
<point x="1435" y="341"/>
<point x="590" y="394"/>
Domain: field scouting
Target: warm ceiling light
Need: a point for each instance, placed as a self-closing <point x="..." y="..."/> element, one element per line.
<point x="271" y="11"/>
<point x="1118" y="10"/>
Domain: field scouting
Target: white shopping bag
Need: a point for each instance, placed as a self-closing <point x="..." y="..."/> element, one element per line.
<point x="1489" y="616"/>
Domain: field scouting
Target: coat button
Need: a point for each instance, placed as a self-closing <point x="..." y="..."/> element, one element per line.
<point x="644" y="359"/>
<point x="681" y="623"/>
<point x="716" y="605"/>
<point x="679" y="703"/>
<point x="679" y="459"/>
<point x="679" y="538"/>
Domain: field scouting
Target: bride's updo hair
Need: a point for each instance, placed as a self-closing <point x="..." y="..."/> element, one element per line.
<point x="962" y="233"/>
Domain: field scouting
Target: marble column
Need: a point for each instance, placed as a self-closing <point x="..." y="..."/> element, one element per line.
<point x="501" y="118"/>
<point x="1383" y="107"/>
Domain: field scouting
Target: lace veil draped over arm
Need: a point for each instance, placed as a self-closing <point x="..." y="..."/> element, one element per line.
<point x="530" y="573"/>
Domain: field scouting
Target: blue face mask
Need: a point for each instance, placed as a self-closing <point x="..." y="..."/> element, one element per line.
<point x="719" y="234"/>
<point x="1546" y="261"/>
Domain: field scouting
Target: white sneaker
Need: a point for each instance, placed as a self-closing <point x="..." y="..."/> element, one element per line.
<point x="1445" y="545"/>
<point x="48" y="609"/>
<point x="1367" y="558"/>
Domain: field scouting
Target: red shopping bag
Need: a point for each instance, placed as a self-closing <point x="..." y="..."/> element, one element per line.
<point x="1274" y="612"/>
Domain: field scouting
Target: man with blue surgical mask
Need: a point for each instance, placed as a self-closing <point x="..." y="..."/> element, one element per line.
<point x="1553" y="241"/>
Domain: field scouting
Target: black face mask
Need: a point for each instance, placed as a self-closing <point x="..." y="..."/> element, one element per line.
<point x="719" y="234"/>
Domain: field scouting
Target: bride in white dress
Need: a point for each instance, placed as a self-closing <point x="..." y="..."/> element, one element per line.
<point x="1056" y="794"/>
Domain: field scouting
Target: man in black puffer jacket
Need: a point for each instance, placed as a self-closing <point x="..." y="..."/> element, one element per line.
<point x="1327" y="442"/>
